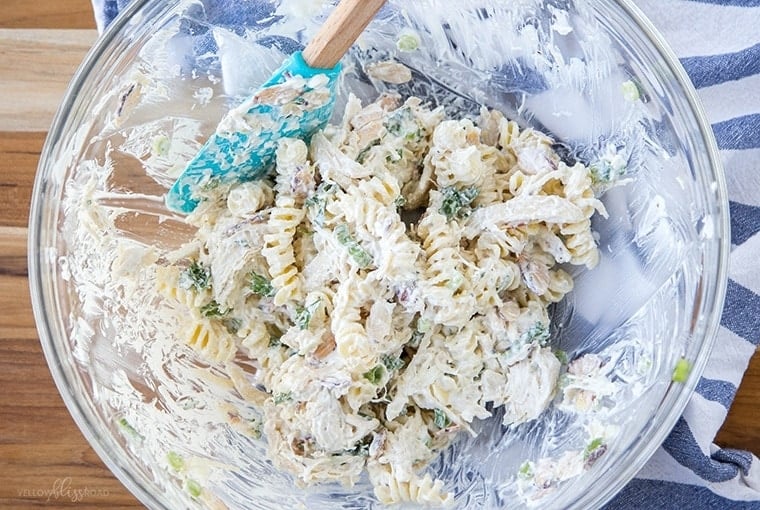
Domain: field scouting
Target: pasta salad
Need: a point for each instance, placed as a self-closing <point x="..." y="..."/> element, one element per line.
<point x="387" y="287"/>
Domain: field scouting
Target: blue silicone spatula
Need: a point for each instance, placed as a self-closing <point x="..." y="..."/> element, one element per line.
<point x="244" y="144"/>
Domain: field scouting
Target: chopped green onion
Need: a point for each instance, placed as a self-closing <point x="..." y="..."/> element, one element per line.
<point x="232" y="325"/>
<point x="213" y="309"/>
<point x="416" y="338"/>
<point x="440" y="419"/>
<point x="358" y="253"/>
<point x="408" y="42"/>
<point x="398" y="119"/>
<point x="305" y="313"/>
<point x="593" y="446"/>
<point x="281" y="398"/>
<point x="561" y="356"/>
<point x="375" y="375"/>
<point x="160" y="145"/>
<point x="391" y="362"/>
<point x="456" y="202"/>
<point x="129" y="429"/>
<point x="196" y="275"/>
<point x="255" y="429"/>
<point x="193" y="488"/>
<point x="631" y="91"/>
<point x="260" y="285"/>
<point x="362" y="448"/>
<point x="319" y="201"/>
<point x="176" y="461"/>
<point x="608" y="168"/>
<point x="423" y="326"/>
<point x="526" y="470"/>
<point x="538" y="333"/>
<point x="365" y="151"/>
<point x="681" y="371"/>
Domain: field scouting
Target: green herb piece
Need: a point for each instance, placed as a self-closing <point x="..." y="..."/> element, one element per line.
<point x="365" y="151"/>
<point x="232" y="325"/>
<point x="456" y="202"/>
<point x="160" y="145"/>
<point x="608" y="169"/>
<point x="213" y="309"/>
<point x="358" y="253"/>
<point x="193" y="488"/>
<point x="423" y="326"/>
<point x="538" y="333"/>
<point x="681" y="371"/>
<point x="260" y="285"/>
<point x="391" y="363"/>
<point x="362" y="448"/>
<point x="456" y="279"/>
<point x="440" y="419"/>
<point x="408" y="42"/>
<point x="281" y="398"/>
<point x="416" y="338"/>
<point x="375" y="375"/>
<point x="561" y="356"/>
<point x="305" y="313"/>
<point x="318" y="201"/>
<point x="631" y="91"/>
<point x="400" y="201"/>
<point x="176" y="462"/>
<point x="399" y="122"/>
<point x="274" y="341"/>
<point x="592" y="447"/>
<point x="563" y="381"/>
<point x="526" y="470"/>
<point x="129" y="429"/>
<point x="195" y="276"/>
<point x="394" y="156"/>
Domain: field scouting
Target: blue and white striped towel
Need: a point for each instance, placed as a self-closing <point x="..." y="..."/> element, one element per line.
<point x="718" y="42"/>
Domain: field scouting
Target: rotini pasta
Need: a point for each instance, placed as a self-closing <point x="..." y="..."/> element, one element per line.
<point x="210" y="340"/>
<point x="387" y="289"/>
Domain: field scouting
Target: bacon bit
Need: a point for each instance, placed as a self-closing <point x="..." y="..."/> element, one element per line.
<point x="326" y="347"/>
<point x="302" y="182"/>
<point x="298" y="446"/>
<point x="389" y="101"/>
<point x="234" y="418"/>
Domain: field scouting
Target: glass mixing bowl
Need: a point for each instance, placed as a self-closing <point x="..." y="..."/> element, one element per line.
<point x="594" y="75"/>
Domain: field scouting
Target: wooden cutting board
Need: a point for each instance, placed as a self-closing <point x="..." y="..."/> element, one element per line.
<point x="44" y="459"/>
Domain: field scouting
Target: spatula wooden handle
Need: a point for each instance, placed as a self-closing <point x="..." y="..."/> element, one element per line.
<point x="342" y="28"/>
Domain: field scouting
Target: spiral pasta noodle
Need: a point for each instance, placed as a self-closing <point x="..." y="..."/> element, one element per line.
<point x="388" y="287"/>
<point x="210" y="340"/>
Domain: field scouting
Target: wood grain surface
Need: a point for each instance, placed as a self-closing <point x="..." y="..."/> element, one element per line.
<point x="44" y="459"/>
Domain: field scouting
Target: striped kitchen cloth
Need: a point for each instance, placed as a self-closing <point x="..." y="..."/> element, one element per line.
<point x="718" y="42"/>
